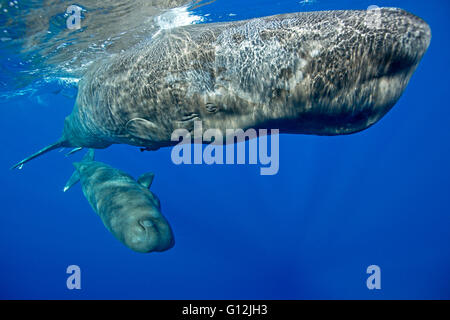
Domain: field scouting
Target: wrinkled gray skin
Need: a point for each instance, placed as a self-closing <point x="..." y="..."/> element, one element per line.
<point x="322" y="73"/>
<point x="127" y="208"/>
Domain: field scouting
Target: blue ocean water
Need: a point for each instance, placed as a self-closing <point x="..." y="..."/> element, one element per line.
<point x="338" y="204"/>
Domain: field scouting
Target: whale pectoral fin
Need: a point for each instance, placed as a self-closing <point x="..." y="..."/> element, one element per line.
<point x="72" y="181"/>
<point x="146" y="179"/>
<point x="89" y="156"/>
<point x="75" y="150"/>
<point x="144" y="129"/>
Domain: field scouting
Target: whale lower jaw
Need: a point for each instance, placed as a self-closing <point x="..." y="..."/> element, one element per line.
<point x="344" y="116"/>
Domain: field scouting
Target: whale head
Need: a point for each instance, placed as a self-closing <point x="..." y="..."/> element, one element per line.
<point x="324" y="73"/>
<point x="145" y="236"/>
<point x="351" y="80"/>
<point x="141" y="227"/>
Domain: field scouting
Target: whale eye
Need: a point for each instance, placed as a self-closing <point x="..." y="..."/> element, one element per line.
<point x="211" y="107"/>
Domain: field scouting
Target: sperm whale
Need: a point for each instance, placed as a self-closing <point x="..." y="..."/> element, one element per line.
<point x="322" y="73"/>
<point x="128" y="209"/>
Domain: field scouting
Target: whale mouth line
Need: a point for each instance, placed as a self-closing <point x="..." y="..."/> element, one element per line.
<point x="392" y="75"/>
<point x="398" y="67"/>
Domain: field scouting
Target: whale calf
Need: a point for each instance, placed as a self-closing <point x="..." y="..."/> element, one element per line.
<point x="322" y="73"/>
<point x="127" y="208"/>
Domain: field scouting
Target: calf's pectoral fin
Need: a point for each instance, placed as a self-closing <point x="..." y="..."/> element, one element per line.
<point x="89" y="156"/>
<point x="72" y="181"/>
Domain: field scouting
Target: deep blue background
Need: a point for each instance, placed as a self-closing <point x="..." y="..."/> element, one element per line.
<point x="338" y="204"/>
